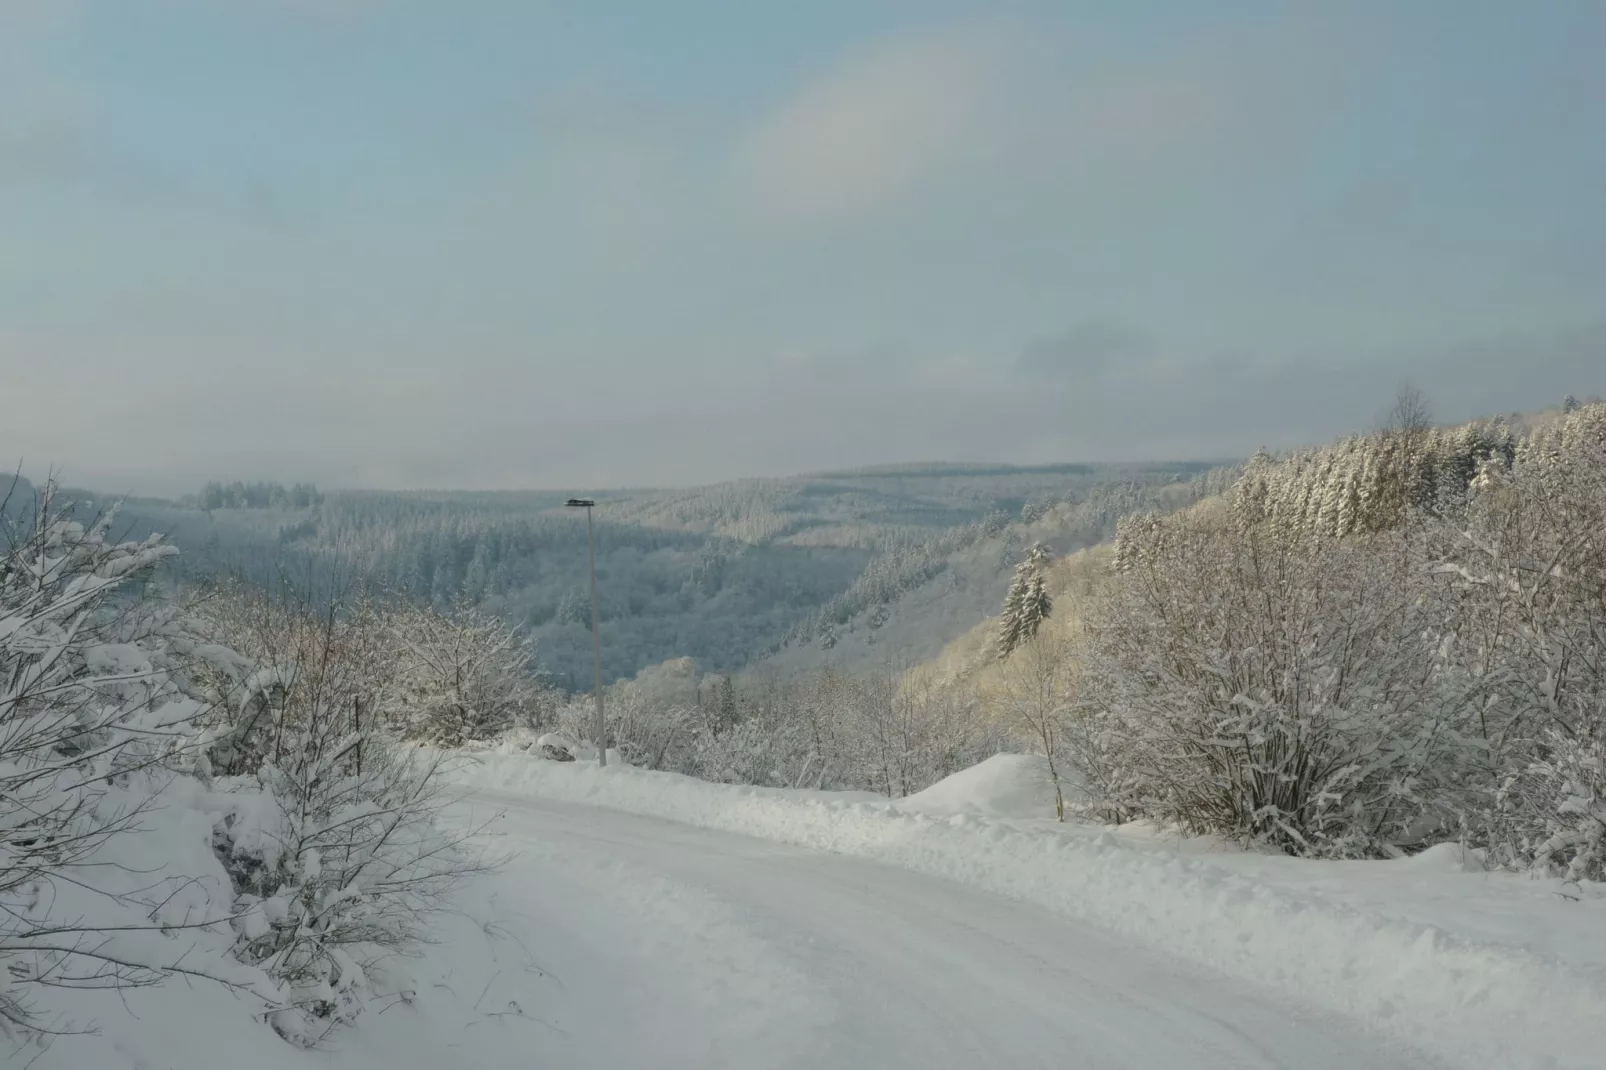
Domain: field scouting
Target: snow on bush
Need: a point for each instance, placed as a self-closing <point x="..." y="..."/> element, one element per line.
<point x="460" y="677"/>
<point x="1525" y="567"/>
<point x="822" y="730"/>
<point x="330" y="836"/>
<point x="208" y="792"/>
<point x="87" y="714"/>
<point x="1273" y="690"/>
<point x="1382" y="641"/>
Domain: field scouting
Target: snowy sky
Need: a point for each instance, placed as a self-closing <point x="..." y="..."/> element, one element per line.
<point x="506" y="243"/>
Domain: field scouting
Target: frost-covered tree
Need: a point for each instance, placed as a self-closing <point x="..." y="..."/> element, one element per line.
<point x="1027" y="603"/>
<point x="1367" y="483"/>
<point x="1036" y="703"/>
<point x="873" y="731"/>
<point x="1421" y="657"/>
<point x="460" y="676"/>
<point x="87" y="711"/>
<point x="1410" y="415"/>
<point x="1526" y="571"/>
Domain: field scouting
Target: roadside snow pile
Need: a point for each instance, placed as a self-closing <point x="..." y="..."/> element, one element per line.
<point x="1482" y="969"/>
<point x="1005" y="785"/>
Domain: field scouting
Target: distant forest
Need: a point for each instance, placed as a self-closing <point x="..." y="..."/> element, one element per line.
<point x="729" y="574"/>
<point x="254" y="496"/>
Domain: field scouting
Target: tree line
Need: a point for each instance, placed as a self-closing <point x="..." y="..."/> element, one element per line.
<point x="259" y="495"/>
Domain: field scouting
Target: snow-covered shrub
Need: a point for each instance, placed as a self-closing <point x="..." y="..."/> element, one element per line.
<point x="1525" y="574"/>
<point x="1395" y="635"/>
<point x="647" y="733"/>
<point x="898" y="737"/>
<point x="556" y="747"/>
<point x="336" y="867"/>
<point x="757" y="752"/>
<point x="331" y="838"/>
<point x="1555" y="806"/>
<point x="461" y="677"/>
<point x="86" y="709"/>
<point x="823" y="730"/>
<point x="1286" y="691"/>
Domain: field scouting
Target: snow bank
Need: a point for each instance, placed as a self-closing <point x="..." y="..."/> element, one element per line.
<point x="1005" y="785"/>
<point x="1480" y="969"/>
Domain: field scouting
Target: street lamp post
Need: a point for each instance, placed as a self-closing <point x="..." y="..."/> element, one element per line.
<point x="596" y="629"/>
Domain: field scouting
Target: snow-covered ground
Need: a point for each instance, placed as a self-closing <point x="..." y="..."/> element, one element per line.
<point x="758" y="954"/>
<point x="1471" y="968"/>
<point x="650" y="920"/>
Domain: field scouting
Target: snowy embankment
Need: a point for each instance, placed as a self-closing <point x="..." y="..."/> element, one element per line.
<point x="1480" y="969"/>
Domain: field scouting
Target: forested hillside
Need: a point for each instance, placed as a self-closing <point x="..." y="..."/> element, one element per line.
<point x="1353" y="651"/>
<point x="1359" y="649"/>
<point x="851" y="567"/>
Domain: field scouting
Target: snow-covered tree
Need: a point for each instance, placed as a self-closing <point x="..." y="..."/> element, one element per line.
<point x="1027" y="603"/>
<point x="1366" y="483"/>
<point x="460" y="676"/>
<point x="1036" y="703"/>
<point x="1526" y="570"/>
<point x="87" y="708"/>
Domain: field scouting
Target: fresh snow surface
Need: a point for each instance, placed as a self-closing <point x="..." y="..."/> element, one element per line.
<point x="1470" y="968"/>
<point x="719" y="950"/>
<point x="651" y="920"/>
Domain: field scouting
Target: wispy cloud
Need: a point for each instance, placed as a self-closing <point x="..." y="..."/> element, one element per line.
<point x="933" y="109"/>
<point x="873" y="128"/>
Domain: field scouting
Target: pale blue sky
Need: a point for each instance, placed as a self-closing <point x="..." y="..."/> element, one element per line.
<point x="498" y="243"/>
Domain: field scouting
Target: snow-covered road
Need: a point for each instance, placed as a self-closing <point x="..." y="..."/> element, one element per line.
<point x="664" y="945"/>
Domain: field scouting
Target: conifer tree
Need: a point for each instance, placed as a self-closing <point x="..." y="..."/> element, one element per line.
<point x="1027" y="604"/>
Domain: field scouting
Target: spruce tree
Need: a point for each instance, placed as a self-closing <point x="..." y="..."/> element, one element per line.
<point x="1027" y="604"/>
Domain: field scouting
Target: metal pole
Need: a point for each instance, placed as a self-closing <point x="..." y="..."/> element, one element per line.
<point x="596" y="645"/>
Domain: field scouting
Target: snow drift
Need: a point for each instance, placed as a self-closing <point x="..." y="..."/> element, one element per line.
<point x="1005" y="785"/>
